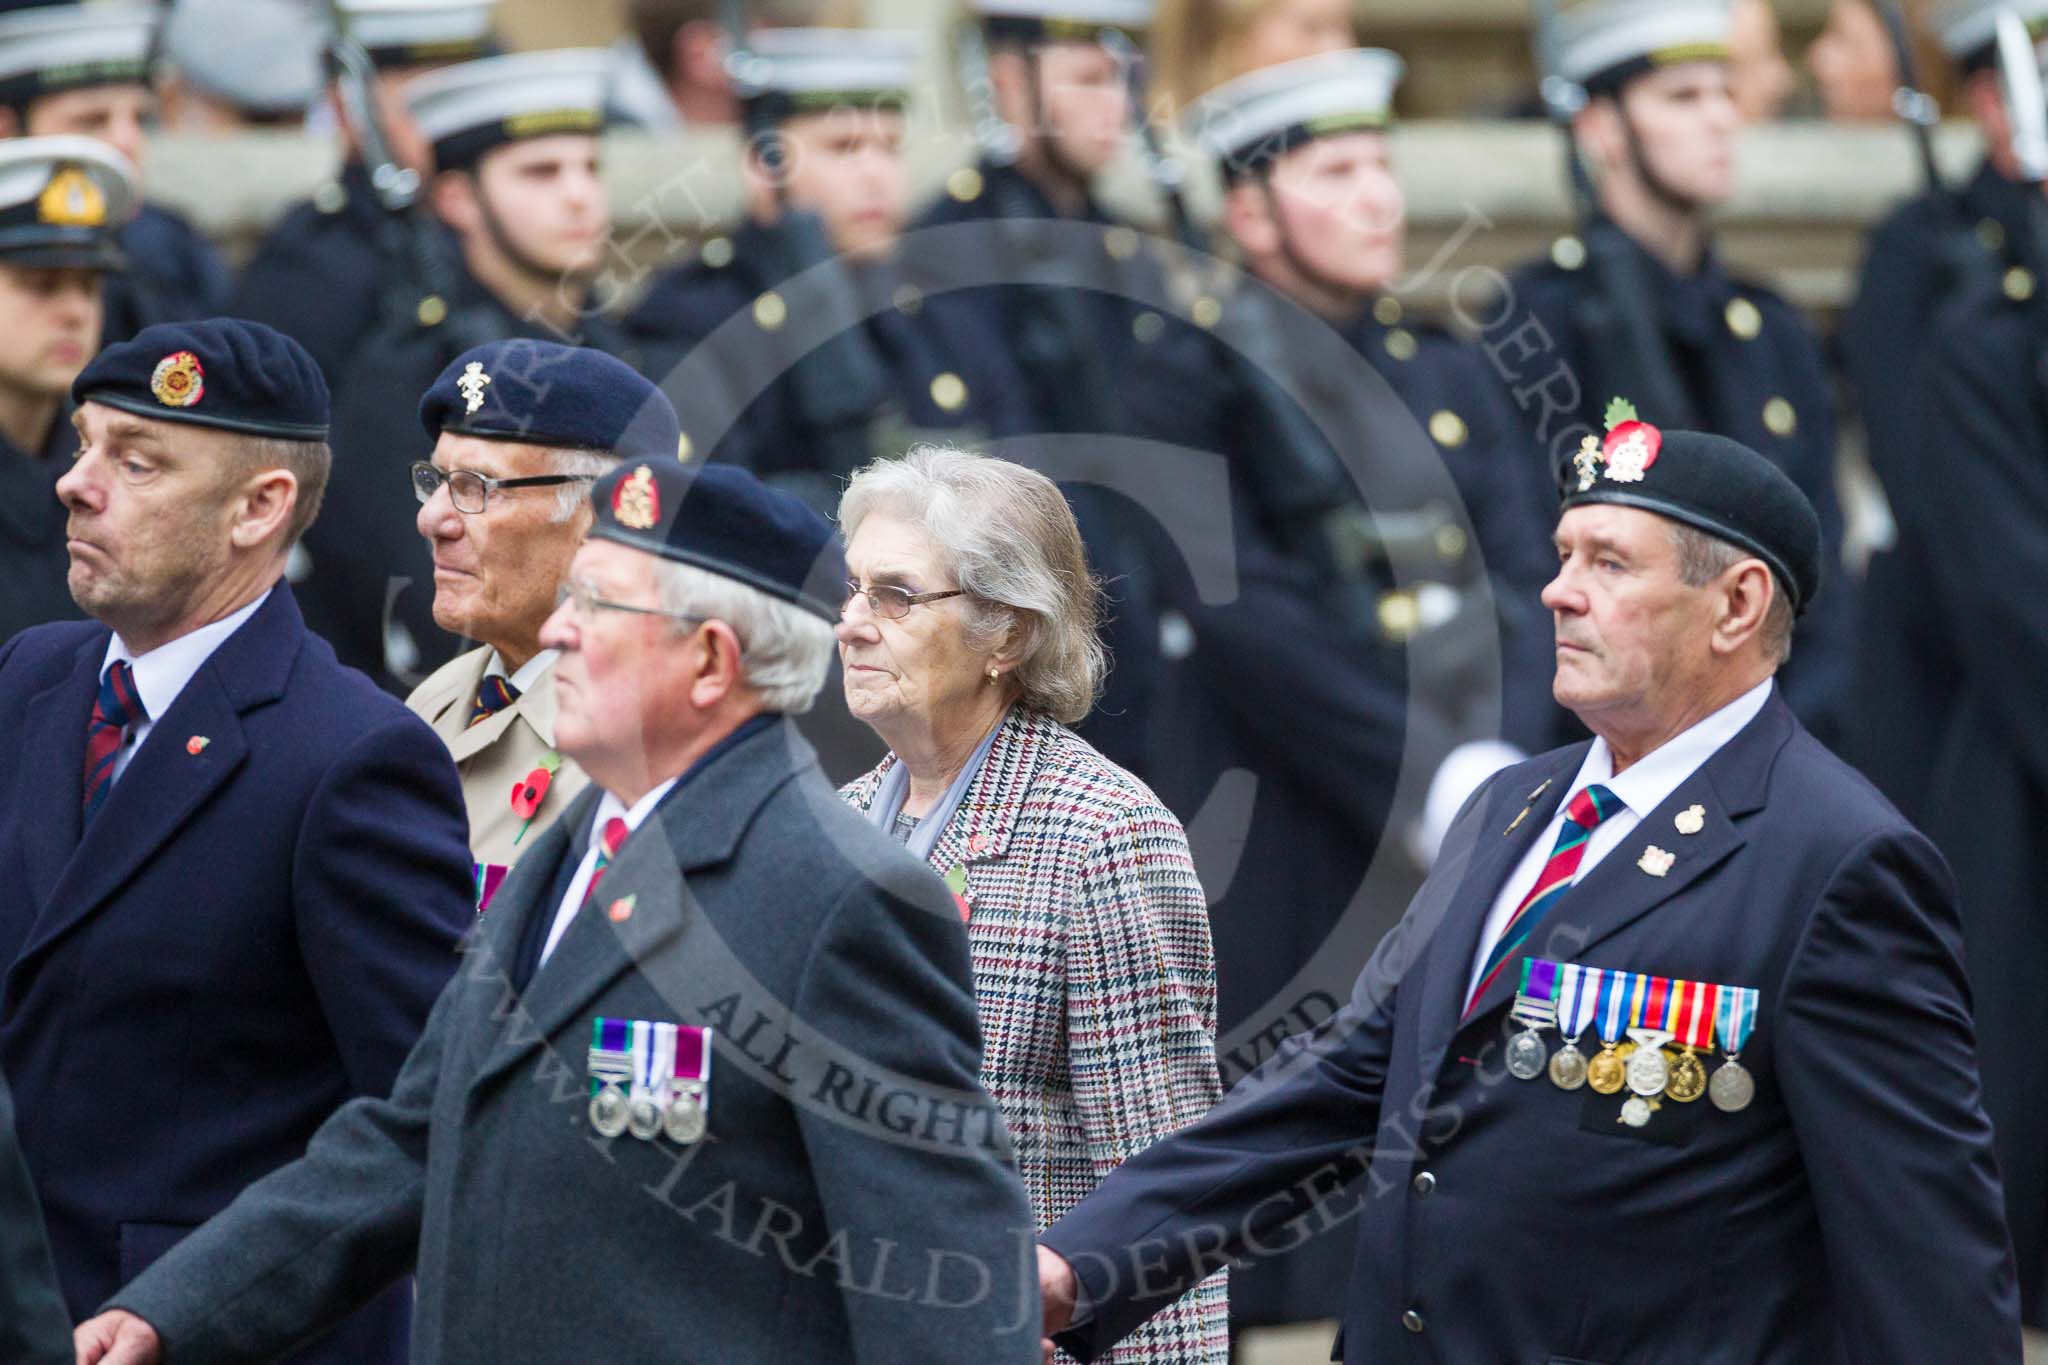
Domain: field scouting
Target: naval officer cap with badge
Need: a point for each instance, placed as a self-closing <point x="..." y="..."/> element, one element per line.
<point x="765" y="1005"/>
<point x="521" y="430"/>
<point x="1702" y="879"/>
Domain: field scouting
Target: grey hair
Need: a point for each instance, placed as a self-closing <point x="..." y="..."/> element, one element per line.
<point x="1704" y="557"/>
<point x="787" y="652"/>
<point x="310" y="462"/>
<point x="583" y="462"/>
<point x="1006" y="536"/>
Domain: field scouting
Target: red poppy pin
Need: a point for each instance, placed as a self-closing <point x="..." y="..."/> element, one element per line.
<point x="529" y="791"/>
<point x="1626" y="455"/>
<point x="197" y="744"/>
<point x="956" y="882"/>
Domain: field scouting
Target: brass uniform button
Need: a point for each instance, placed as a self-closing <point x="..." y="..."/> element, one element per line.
<point x="908" y="299"/>
<point x="1401" y="344"/>
<point x="1781" y="417"/>
<point x="683" y="447"/>
<point x="330" y="197"/>
<point x="717" y="252"/>
<point x="1121" y="242"/>
<point x="1399" y="615"/>
<point x="1991" y="233"/>
<point x="964" y="185"/>
<point x="1568" y="252"/>
<point x="1743" y="319"/>
<point x="949" y="391"/>
<point x="1207" y="312"/>
<point x="1148" y="327"/>
<point x="770" y="312"/>
<point x="1450" y="543"/>
<point x="433" y="311"/>
<point x="1386" y="310"/>
<point x="1446" y="428"/>
<point x="2018" y="284"/>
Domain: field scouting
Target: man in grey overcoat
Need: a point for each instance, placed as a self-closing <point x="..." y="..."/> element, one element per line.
<point x="706" y="1088"/>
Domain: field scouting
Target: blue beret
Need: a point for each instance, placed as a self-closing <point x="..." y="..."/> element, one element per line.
<point x="546" y="394"/>
<point x="721" y="518"/>
<point x="1710" y="482"/>
<point x="220" y="372"/>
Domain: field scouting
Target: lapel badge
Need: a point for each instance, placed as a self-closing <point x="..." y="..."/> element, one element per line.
<point x="472" y="385"/>
<point x="196" y="744"/>
<point x="1541" y="787"/>
<point x="977" y="844"/>
<point x="1656" y="861"/>
<point x="621" y="909"/>
<point x="1691" y="820"/>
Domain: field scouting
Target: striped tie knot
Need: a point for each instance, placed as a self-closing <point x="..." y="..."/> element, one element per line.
<point x="117" y="708"/>
<point x="1589" y="807"/>
<point x="608" y="840"/>
<point x="493" y="695"/>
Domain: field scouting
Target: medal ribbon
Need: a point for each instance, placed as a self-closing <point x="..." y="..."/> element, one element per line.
<point x="693" y="1053"/>
<point x="1693" y="1018"/>
<point x="612" y="1036"/>
<point x="1578" y="991"/>
<point x="1736" y="1016"/>
<point x="1613" y="1006"/>
<point x="1534" y="1006"/>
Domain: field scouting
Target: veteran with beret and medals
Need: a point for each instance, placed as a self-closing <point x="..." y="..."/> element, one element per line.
<point x="85" y="69"/>
<point x="1672" y="1056"/>
<point x="521" y="429"/>
<point x="707" y="1087"/>
<point x="237" y="869"/>
<point x="516" y="182"/>
<point x="62" y="203"/>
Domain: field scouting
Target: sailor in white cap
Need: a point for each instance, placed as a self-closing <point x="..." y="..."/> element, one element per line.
<point x="332" y="264"/>
<point x="63" y="202"/>
<point x="85" y="68"/>
<point x="229" y="65"/>
<point x="826" y="182"/>
<point x="1638" y="302"/>
<point x="514" y="141"/>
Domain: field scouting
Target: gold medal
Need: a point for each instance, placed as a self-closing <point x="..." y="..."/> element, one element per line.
<point x="1688" y="1078"/>
<point x="1607" y="1073"/>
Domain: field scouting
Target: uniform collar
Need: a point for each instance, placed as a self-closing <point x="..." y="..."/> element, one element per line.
<point x="161" y="674"/>
<point x="1652" y="778"/>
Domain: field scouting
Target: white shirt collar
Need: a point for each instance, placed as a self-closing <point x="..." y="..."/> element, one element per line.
<point x="611" y="807"/>
<point x="529" y="672"/>
<point x="161" y="674"/>
<point x="1657" y="774"/>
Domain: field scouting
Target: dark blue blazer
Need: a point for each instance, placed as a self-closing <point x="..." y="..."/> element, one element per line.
<point x="1851" y="1212"/>
<point x="244" y="938"/>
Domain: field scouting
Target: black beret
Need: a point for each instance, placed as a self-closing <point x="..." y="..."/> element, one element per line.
<point x="546" y="394"/>
<point x="219" y="372"/>
<point x="722" y="519"/>
<point x="1720" y="486"/>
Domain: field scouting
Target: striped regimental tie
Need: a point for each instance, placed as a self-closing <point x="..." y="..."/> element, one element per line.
<point x="1582" y="815"/>
<point x="116" y="711"/>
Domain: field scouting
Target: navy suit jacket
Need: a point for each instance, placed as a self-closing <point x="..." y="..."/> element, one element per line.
<point x="1851" y="1212"/>
<point x="251" y="932"/>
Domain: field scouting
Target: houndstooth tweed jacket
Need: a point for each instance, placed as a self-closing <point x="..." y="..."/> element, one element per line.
<point x="1094" y="976"/>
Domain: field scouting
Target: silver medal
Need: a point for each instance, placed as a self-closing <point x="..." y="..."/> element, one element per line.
<point x="684" y="1120"/>
<point x="1526" y="1055"/>
<point x="608" y="1111"/>
<point x="1648" y="1072"/>
<point x="1568" y="1068"/>
<point x="1636" y="1112"/>
<point x="1731" y="1087"/>
<point x="643" y="1117"/>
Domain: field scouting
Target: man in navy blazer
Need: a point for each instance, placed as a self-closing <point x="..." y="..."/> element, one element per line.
<point x="1830" y="1194"/>
<point x="238" y="871"/>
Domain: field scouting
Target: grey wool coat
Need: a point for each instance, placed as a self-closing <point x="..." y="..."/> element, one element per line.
<point x="853" y="1200"/>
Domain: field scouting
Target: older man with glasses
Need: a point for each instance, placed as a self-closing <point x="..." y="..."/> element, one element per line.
<point x="521" y="428"/>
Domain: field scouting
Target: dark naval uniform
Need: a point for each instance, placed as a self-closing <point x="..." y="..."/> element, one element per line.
<point x="320" y="275"/>
<point x="1984" y="485"/>
<point x="1103" y="329"/>
<point x="946" y="374"/>
<point x="33" y="561"/>
<point x="367" y="577"/>
<point x="1273" y="682"/>
<point x="1754" y="373"/>
<point x="173" y="275"/>
<point x="1901" y="635"/>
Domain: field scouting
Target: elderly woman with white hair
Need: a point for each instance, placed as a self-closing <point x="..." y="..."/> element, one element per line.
<point x="968" y="640"/>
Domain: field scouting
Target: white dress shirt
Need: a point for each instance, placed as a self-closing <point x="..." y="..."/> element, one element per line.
<point x="609" y="807"/>
<point x="529" y="672"/>
<point x="161" y="674"/>
<point x="1643" y="788"/>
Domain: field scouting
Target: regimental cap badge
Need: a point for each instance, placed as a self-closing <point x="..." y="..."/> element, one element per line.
<point x="178" y="380"/>
<point x="636" y="503"/>
<point x="1626" y="454"/>
<point x="472" y="385"/>
<point x="71" y="199"/>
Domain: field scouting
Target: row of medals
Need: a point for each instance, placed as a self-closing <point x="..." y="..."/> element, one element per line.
<point x="1648" y="1072"/>
<point x="679" y="1113"/>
